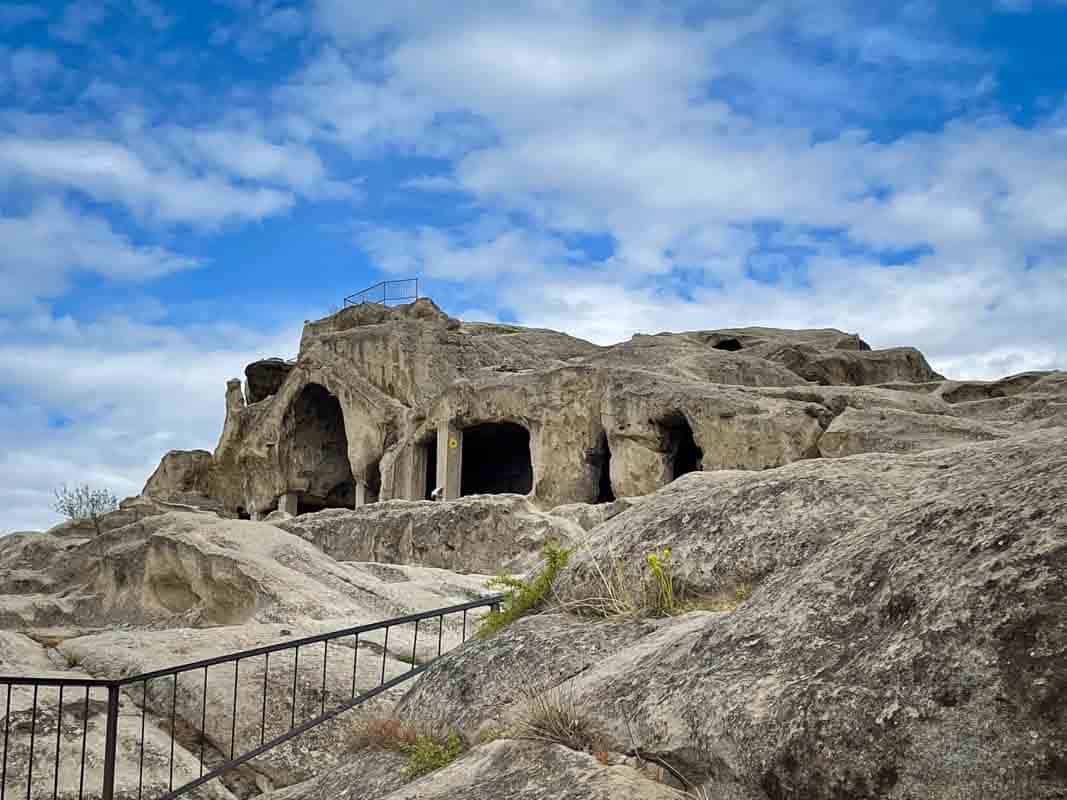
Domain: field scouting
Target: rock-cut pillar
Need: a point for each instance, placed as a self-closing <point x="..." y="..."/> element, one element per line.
<point x="449" y="459"/>
<point x="361" y="493"/>
<point x="289" y="503"/>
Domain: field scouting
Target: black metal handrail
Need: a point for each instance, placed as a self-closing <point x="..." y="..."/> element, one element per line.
<point x="136" y="689"/>
<point x="404" y="290"/>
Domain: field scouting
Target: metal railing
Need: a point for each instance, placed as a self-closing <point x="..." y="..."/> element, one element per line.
<point x="53" y="745"/>
<point x="405" y="290"/>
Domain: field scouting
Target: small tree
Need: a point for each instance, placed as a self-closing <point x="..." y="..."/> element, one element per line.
<point x="84" y="503"/>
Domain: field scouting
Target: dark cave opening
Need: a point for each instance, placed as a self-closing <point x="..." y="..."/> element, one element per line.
<point x="496" y="459"/>
<point x="428" y="458"/>
<point x="316" y="451"/>
<point x="730" y="345"/>
<point x="683" y="454"/>
<point x="601" y="461"/>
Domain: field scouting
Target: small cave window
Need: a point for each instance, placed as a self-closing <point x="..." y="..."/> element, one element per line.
<point x="683" y="454"/>
<point x="242" y="513"/>
<point x="496" y="459"/>
<point x="730" y="345"/>
<point x="600" y="459"/>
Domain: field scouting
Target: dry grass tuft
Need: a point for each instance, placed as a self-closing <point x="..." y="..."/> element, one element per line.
<point x="555" y="716"/>
<point x="651" y="590"/>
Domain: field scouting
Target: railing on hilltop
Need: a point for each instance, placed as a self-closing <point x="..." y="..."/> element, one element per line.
<point x="405" y="290"/>
<point x="33" y="766"/>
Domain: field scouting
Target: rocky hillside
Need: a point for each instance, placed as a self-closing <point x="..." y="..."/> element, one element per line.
<point x="881" y="614"/>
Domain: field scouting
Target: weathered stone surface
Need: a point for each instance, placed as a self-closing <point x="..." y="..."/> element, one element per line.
<point x="112" y="655"/>
<point x="183" y="476"/>
<point x="888" y="430"/>
<point x="906" y="635"/>
<point x="356" y="417"/>
<point x="588" y="515"/>
<point x="503" y="769"/>
<point x="368" y="774"/>
<point x="484" y="533"/>
<point x="265" y="377"/>
<point x="125" y="602"/>
<point x="68" y="732"/>
<point x="180" y="569"/>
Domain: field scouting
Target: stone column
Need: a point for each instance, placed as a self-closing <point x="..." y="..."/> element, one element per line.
<point x="449" y="459"/>
<point x="289" y="503"/>
<point x="361" y="493"/>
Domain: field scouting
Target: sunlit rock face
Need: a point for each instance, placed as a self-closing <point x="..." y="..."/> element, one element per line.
<point x="396" y="402"/>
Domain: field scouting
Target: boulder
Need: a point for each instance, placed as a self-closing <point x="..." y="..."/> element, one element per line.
<point x="180" y="569"/>
<point x="483" y="533"/>
<point x="265" y="377"/>
<point x="183" y="476"/>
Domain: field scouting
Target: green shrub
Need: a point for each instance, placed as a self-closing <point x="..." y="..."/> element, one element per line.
<point x="428" y="754"/>
<point x="523" y="597"/>
<point x="660" y="596"/>
<point x="426" y="749"/>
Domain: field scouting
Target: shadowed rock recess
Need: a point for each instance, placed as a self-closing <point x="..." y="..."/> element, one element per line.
<point x="868" y="568"/>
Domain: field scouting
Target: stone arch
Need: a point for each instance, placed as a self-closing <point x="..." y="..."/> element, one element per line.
<point x="314" y="450"/>
<point x="496" y="459"/>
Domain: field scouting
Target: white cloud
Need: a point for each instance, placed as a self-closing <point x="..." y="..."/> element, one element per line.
<point x="608" y="129"/>
<point x="46" y="247"/>
<point x="112" y="172"/>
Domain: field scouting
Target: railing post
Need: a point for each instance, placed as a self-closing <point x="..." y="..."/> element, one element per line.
<point x="111" y="742"/>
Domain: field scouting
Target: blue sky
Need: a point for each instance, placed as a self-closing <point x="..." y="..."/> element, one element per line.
<point x="182" y="184"/>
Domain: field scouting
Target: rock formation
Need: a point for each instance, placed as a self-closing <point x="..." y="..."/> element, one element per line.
<point x="875" y="555"/>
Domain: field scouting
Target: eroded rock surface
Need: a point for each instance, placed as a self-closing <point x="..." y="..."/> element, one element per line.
<point x="906" y="633"/>
<point x="508" y="768"/>
<point x="366" y="409"/>
<point x="485" y="533"/>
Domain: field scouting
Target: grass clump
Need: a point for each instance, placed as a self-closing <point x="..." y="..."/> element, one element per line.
<point x="426" y="750"/>
<point x="522" y="597"/>
<point x="651" y="590"/>
<point x="555" y="716"/>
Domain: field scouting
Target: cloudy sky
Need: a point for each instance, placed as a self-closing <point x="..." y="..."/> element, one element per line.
<point x="183" y="183"/>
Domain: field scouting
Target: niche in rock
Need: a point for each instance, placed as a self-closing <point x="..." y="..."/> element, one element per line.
<point x="600" y="459"/>
<point x="426" y="468"/>
<point x="316" y="451"/>
<point x="683" y="454"/>
<point x="730" y="345"/>
<point x="496" y="459"/>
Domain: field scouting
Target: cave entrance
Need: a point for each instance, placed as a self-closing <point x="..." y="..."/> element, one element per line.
<point x="496" y="459"/>
<point x="601" y="461"/>
<point x="683" y="454"/>
<point x="425" y="468"/>
<point x="730" y="345"/>
<point x="316" y="451"/>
